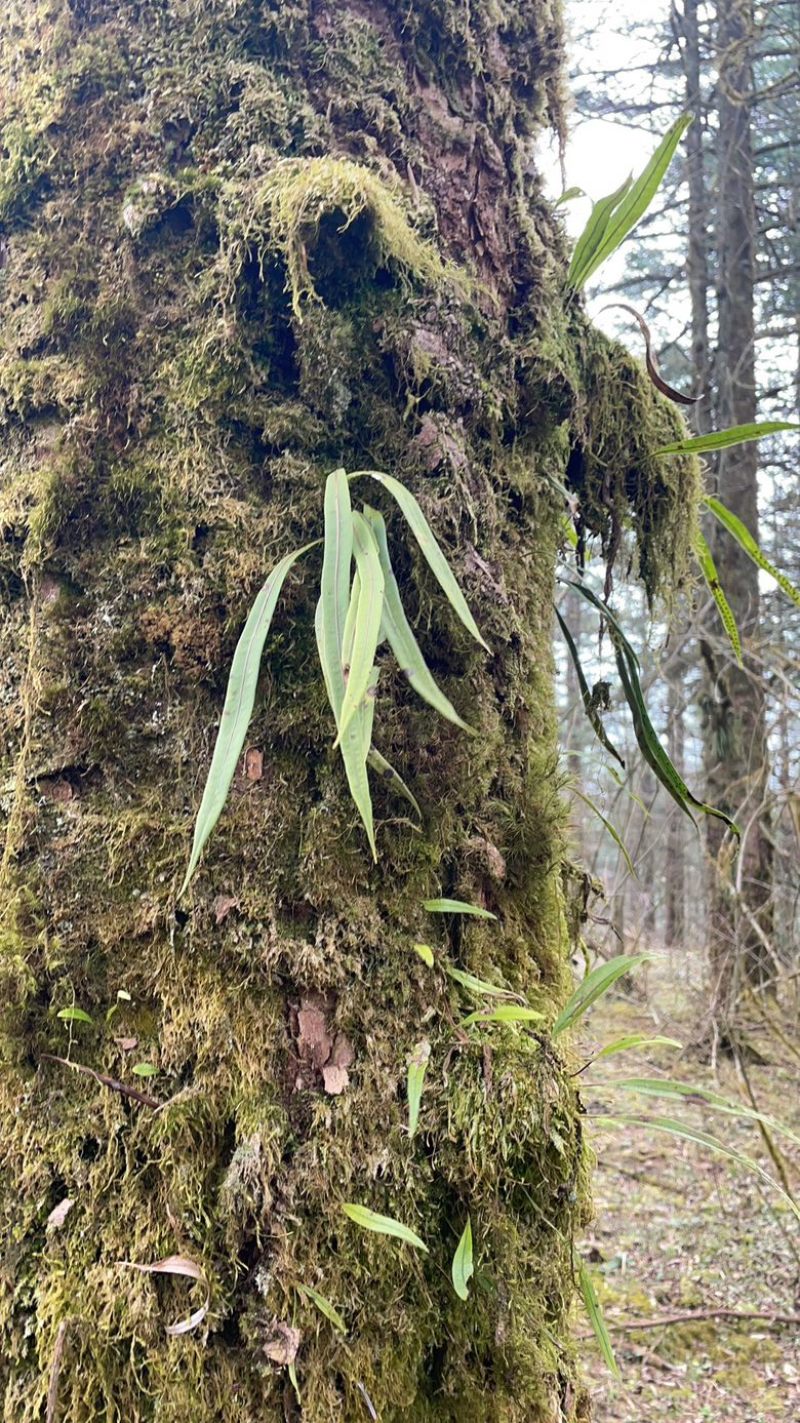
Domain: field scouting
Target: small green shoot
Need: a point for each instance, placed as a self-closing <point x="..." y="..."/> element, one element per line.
<point x="463" y="1267"/>
<point x="324" y="1306"/>
<point x="382" y="1225"/>
<point x="456" y="906"/>
<point x="417" y="1067"/>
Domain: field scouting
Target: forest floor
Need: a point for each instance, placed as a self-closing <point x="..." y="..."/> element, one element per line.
<point x="681" y="1230"/>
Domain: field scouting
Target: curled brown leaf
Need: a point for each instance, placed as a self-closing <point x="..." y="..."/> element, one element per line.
<point x="650" y="360"/>
<point x="189" y="1270"/>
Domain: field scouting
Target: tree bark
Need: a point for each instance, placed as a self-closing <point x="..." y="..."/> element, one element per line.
<point x="736" y="744"/>
<point x="244" y="245"/>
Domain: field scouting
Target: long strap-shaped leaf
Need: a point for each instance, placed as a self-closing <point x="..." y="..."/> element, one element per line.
<point x="606" y="231"/>
<point x="359" y="657"/>
<point x="725" y="439"/>
<point x="398" y="630"/>
<point x="238" y="708"/>
<point x="745" y="540"/>
<point x="590" y="240"/>
<point x="352" y="745"/>
<point x="647" y="740"/>
<point x="709" y="570"/>
<point x="640" y="195"/>
<point x="701" y="1138"/>
<point x="392" y="778"/>
<point x="424" y="536"/>
<point x="592" y="713"/>
<point x="334" y="596"/>
<point x="331" y="626"/>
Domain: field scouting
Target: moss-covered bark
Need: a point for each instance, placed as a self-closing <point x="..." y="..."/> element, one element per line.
<point x="244" y="243"/>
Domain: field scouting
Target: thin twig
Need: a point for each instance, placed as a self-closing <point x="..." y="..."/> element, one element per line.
<point x="698" y="1316"/>
<point x="110" y="1082"/>
<point x="55" y="1371"/>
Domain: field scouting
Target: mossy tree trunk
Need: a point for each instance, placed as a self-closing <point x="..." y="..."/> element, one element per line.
<point x="233" y="240"/>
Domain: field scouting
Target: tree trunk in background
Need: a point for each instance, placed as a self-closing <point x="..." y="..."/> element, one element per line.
<point x="675" y="877"/>
<point x="736" y="748"/>
<point x="223" y="235"/>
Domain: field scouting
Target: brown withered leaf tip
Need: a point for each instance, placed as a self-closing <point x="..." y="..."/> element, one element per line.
<point x="650" y="360"/>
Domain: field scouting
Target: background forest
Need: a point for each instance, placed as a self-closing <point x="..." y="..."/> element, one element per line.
<point x="714" y="270"/>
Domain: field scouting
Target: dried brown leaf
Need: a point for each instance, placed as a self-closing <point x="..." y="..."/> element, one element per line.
<point x="650" y="360"/>
<point x="188" y="1269"/>
<point x="282" y="1343"/>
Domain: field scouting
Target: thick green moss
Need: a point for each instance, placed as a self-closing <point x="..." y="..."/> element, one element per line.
<point x="213" y="174"/>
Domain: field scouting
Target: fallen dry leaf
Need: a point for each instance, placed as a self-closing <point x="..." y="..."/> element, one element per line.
<point x="253" y="764"/>
<point x="223" y="904"/>
<point x="282" y="1343"/>
<point x="59" y="1213"/>
<point x="177" y="1265"/>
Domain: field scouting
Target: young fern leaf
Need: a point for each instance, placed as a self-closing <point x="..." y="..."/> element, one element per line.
<point x="596" y="1318"/>
<point x="433" y="555"/>
<point x="382" y="1225"/>
<point x="463" y="1266"/>
<point x="479" y="986"/>
<point x="324" y="1306"/>
<point x="647" y="740"/>
<point x="709" y="570"/>
<point x="456" y="906"/>
<point x="417" y="1067"/>
<point x="594" y="986"/>
<point x="725" y="439"/>
<point x="397" y="630"/>
<point x="238" y="709"/>
<point x="352" y="745"/>
<point x="358" y="649"/>
<point x="745" y="540"/>
<point x="607" y="229"/>
<point x="589" y="707"/>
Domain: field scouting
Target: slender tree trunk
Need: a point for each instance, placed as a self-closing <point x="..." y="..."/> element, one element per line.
<point x="736" y="752"/>
<point x="675" y="877"/>
<point x="245" y="244"/>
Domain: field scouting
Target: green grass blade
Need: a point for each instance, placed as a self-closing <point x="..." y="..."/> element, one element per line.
<point x="456" y="906"/>
<point x="238" y="708"/>
<point x="382" y="1225"/>
<point x="596" y="1318"/>
<point x="463" y="1267"/>
<point x="708" y="569"/>
<point x="392" y="778"/>
<point x="507" y="1013"/>
<point x="434" y="557"/>
<point x="324" y="1306"/>
<point x="632" y="1041"/>
<point x="478" y="986"/>
<point x="334" y="600"/>
<point x="745" y="540"/>
<point x="724" y="439"/>
<point x="589" y="707"/>
<point x="398" y="631"/>
<point x="593" y="986"/>
<point x="417" y="1067"/>
<point x="700" y="1138"/>
<point x="666" y="1087"/>
<point x="589" y="243"/>
<point x="647" y="740"/>
<point x="352" y="744"/>
<point x="612" y="830"/>
<point x="639" y="196"/>
<point x="365" y="622"/>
